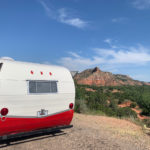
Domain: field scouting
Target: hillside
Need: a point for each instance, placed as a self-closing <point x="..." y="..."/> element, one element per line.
<point x="99" y="78"/>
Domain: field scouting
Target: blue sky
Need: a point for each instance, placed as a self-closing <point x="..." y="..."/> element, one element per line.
<point x="79" y="34"/>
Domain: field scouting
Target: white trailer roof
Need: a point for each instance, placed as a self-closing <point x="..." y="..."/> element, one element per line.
<point x="15" y="70"/>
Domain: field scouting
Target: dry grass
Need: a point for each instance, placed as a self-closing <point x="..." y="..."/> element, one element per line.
<point x="146" y="130"/>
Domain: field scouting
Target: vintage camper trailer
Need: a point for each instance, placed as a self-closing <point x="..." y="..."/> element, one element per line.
<point x="34" y="97"/>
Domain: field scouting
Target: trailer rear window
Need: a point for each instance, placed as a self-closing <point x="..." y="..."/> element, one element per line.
<point x="42" y="86"/>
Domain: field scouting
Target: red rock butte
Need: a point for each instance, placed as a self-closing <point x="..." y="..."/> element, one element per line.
<point x="99" y="78"/>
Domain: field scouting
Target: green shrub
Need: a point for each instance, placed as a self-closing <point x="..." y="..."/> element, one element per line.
<point x="145" y="112"/>
<point x="80" y="106"/>
<point x="98" y="101"/>
<point x="133" y="105"/>
<point x="107" y="110"/>
<point x="126" y="112"/>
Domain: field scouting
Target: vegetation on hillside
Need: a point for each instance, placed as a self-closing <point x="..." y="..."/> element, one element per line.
<point x="107" y="99"/>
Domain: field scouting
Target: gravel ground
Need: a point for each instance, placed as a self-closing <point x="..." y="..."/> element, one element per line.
<point x="89" y="133"/>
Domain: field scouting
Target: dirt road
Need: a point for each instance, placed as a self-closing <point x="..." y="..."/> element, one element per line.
<point x="89" y="133"/>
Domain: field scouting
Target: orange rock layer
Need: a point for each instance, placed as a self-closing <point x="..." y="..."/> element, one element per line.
<point x="99" y="78"/>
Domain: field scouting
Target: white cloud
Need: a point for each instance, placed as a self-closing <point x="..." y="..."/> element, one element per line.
<point x="74" y="54"/>
<point x="119" y="20"/>
<point x="79" y="63"/>
<point x="141" y="4"/>
<point x="47" y="9"/>
<point x="110" y="43"/>
<point x="128" y="56"/>
<point x="111" y="58"/>
<point x="63" y="16"/>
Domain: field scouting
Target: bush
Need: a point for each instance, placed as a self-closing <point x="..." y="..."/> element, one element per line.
<point x="98" y="101"/>
<point x="126" y="112"/>
<point x="107" y="110"/>
<point x="80" y="106"/>
<point x="145" y="104"/>
<point x="133" y="105"/>
<point x="145" y="112"/>
<point x="113" y="105"/>
<point x="121" y="100"/>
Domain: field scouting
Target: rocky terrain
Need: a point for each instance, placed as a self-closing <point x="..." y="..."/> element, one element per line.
<point x="89" y="133"/>
<point x="99" y="78"/>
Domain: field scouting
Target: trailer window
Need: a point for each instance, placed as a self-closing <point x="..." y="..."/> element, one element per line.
<point x="32" y="87"/>
<point x="42" y="86"/>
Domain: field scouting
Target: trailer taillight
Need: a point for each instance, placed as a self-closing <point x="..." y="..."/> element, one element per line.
<point x="71" y="105"/>
<point x="4" y="111"/>
<point x="31" y="72"/>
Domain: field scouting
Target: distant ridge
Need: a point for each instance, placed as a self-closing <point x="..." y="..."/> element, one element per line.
<point x="99" y="78"/>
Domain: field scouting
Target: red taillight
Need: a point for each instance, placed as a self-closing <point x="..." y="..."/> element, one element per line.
<point x="4" y="111"/>
<point x="31" y="72"/>
<point x="71" y="105"/>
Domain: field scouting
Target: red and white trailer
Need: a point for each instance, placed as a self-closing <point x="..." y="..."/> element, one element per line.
<point x="34" y="97"/>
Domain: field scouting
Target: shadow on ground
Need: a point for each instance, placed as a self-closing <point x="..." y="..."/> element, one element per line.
<point x="29" y="138"/>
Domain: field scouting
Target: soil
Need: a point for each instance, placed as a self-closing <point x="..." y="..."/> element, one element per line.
<point x="89" y="133"/>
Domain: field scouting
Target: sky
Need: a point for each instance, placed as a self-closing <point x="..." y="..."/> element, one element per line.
<point x="79" y="34"/>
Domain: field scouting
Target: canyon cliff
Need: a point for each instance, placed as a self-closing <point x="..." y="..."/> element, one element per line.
<point x="99" y="78"/>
